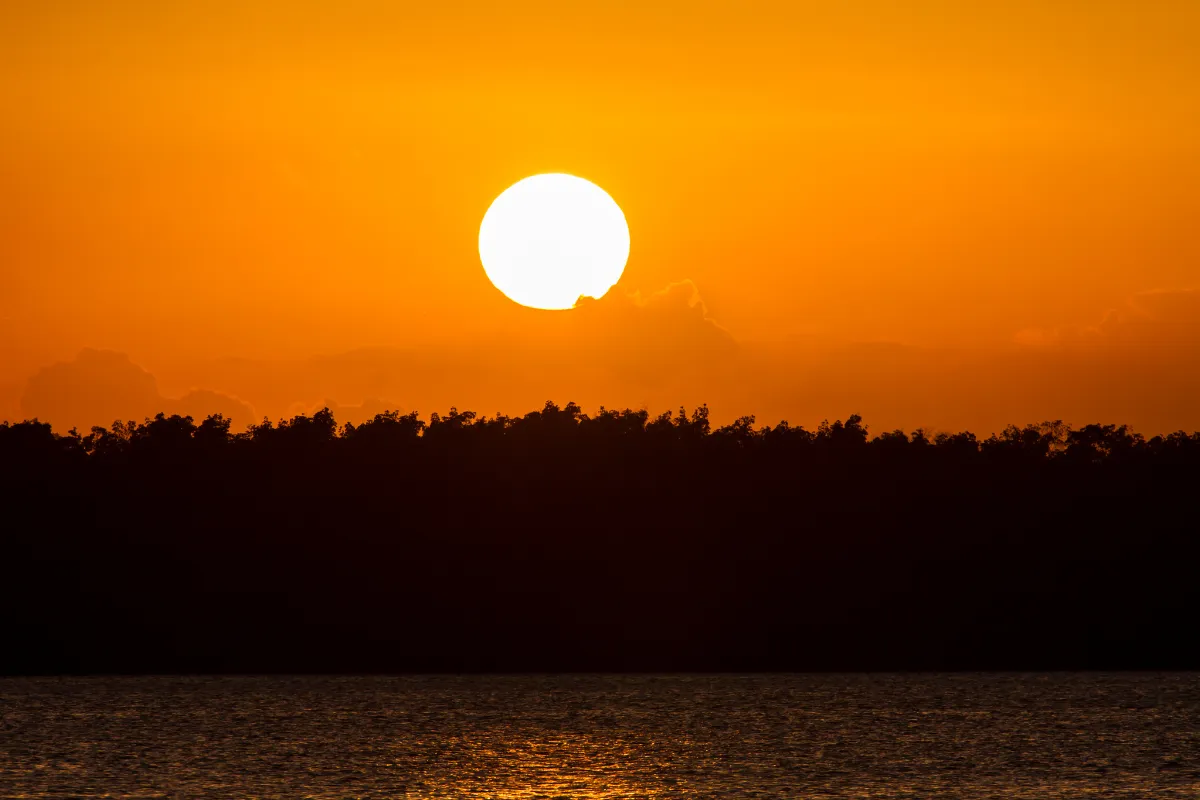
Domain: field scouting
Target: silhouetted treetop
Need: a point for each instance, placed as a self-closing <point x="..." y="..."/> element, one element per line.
<point x="179" y="439"/>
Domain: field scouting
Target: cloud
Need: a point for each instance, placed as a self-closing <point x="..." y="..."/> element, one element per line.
<point x="1138" y="364"/>
<point x="100" y="386"/>
<point x="656" y="338"/>
<point x="1162" y="322"/>
<point x="659" y="348"/>
<point x="1167" y="320"/>
<point x="95" y="388"/>
<point x="676" y="312"/>
<point x="201" y="403"/>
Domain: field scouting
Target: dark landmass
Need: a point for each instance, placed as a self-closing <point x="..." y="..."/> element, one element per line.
<point x="558" y="541"/>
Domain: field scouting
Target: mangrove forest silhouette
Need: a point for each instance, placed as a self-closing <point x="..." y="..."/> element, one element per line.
<point x="560" y="540"/>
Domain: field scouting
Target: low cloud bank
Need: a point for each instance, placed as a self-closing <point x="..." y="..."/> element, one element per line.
<point x="1157" y="323"/>
<point x="100" y="386"/>
<point x="1139" y="364"/>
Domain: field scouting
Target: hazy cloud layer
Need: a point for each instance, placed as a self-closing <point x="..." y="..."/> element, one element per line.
<point x="100" y="386"/>
<point x="200" y="403"/>
<point x="96" y="387"/>
<point x="1163" y="322"/>
<point x="657" y="349"/>
<point x="1138" y="364"/>
<point x="675" y="316"/>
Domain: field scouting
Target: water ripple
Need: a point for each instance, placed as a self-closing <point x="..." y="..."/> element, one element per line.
<point x="603" y="737"/>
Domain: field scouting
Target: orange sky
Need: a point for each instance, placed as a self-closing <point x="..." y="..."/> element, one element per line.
<point x="942" y="214"/>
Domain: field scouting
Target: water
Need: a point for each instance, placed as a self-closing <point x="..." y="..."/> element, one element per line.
<point x="881" y="736"/>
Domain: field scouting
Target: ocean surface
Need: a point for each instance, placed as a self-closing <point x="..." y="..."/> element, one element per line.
<point x="787" y="736"/>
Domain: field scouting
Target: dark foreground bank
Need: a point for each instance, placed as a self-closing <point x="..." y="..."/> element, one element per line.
<point x="556" y="541"/>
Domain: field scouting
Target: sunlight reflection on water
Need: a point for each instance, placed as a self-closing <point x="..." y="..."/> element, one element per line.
<point x="1016" y="736"/>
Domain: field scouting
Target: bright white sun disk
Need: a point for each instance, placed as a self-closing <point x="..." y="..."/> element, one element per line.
<point x="549" y="239"/>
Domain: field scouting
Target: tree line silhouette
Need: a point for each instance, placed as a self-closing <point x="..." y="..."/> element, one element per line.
<point x="615" y="541"/>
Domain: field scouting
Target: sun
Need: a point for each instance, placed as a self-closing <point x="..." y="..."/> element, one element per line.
<point x="550" y="239"/>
